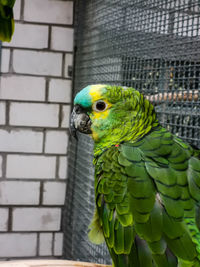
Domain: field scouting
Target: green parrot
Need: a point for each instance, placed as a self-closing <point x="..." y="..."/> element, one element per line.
<point x="147" y="181"/>
<point x="6" y="20"/>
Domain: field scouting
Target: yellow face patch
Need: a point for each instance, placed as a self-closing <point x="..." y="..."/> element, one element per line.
<point x="95" y="93"/>
<point x="100" y="115"/>
<point x="95" y="135"/>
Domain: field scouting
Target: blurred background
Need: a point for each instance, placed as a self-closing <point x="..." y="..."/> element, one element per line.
<point x="58" y="48"/>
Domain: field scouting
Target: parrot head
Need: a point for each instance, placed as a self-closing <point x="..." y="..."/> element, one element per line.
<point x="112" y="114"/>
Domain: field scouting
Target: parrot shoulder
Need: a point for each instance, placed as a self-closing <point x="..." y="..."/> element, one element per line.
<point x="167" y="172"/>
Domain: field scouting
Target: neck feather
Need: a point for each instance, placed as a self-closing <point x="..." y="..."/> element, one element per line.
<point x="134" y="127"/>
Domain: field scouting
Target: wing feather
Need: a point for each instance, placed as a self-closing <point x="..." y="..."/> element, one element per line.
<point x="147" y="190"/>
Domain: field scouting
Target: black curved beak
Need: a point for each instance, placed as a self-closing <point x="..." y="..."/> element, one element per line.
<point x="79" y="121"/>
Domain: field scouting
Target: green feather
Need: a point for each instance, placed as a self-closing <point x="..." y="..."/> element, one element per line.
<point x="147" y="183"/>
<point x="158" y="247"/>
<point x="130" y="153"/>
<point x="173" y="191"/>
<point x="110" y="241"/>
<point x="144" y="205"/>
<point x="152" y="230"/>
<point x="144" y="254"/>
<point x="183" y="247"/>
<point x="95" y="234"/>
<point x="163" y="175"/>
<point x="172" y="228"/>
<point x="122" y="209"/>
<point x="119" y="240"/>
<point x="129" y="236"/>
<point x="105" y="221"/>
<point x="161" y="260"/>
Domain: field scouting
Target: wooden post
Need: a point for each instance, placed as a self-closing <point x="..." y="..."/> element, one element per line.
<point x="175" y="96"/>
<point x="49" y="263"/>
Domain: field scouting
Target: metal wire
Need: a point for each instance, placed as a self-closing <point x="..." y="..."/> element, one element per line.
<point x="151" y="45"/>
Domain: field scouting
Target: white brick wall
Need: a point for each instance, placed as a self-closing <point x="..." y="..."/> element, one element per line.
<point x="66" y="35"/>
<point x="38" y="63"/>
<point x="5" y="60"/>
<point x="36" y="219"/>
<point x="60" y="91"/>
<point x="56" y="142"/>
<point x="2" y="113"/>
<point x="30" y="167"/>
<point x="35" y="97"/>
<point x="36" y="36"/>
<point x="40" y="115"/>
<point x="58" y="244"/>
<point x="19" y="193"/>
<point x="57" y="12"/>
<point x="18" y="245"/>
<point x="68" y="62"/>
<point x="54" y="193"/>
<point x="45" y="244"/>
<point x="3" y="219"/>
<point x="17" y="9"/>
<point x="21" y="141"/>
<point x="65" y="116"/>
<point x="22" y="88"/>
<point x="1" y="166"/>
<point x="62" y="174"/>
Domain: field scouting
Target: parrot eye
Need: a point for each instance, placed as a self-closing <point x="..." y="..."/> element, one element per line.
<point x="100" y="106"/>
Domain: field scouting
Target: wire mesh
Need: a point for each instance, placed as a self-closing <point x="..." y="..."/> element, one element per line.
<point x="151" y="45"/>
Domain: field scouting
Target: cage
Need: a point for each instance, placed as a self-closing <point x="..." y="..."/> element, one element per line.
<point x="153" y="46"/>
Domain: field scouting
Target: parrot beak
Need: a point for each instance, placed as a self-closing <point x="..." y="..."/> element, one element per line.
<point x="80" y="121"/>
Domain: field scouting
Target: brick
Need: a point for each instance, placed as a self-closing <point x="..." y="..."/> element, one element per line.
<point x="5" y="60"/>
<point x="3" y="219"/>
<point x="29" y="36"/>
<point x="2" y="113"/>
<point x="1" y="161"/>
<point x="58" y="244"/>
<point x="40" y="115"/>
<point x="36" y="219"/>
<point x="54" y="193"/>
<point x="56" y="142"/>
<point x="17" y="9"/>
<point x="21" y="141"/>
<point x="25" y="167"/>
<point x="22" y="88"/>
<point x="45" y="244"/>
<point x="65" y="37"/>
<point x="62" y="171"/>
<point x="60" y="91"/>
<point x="18" y="245"/>
<point x="19" y="193"/>
<point x="49" y="11"/>
<point x="68" y="64"/>
<point x="66" y="111"/>
<point x="37" y="62"/>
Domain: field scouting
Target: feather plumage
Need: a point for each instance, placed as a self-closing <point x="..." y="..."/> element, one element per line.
<point x="147" y="185"/>
<point x="6" y="20"/>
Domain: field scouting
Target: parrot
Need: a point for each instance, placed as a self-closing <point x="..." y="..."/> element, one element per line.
<point x="147" y="180"/>
<point x="6" y="20"/>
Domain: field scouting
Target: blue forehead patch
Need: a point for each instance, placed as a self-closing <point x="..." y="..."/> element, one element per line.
<point x="83" y="98"/>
